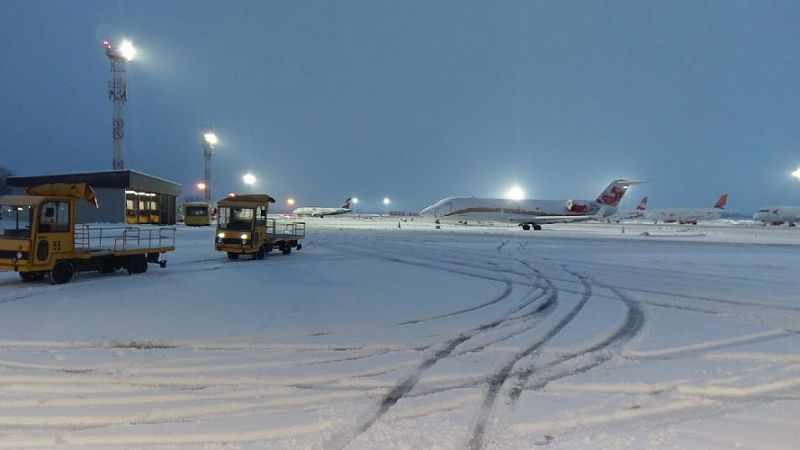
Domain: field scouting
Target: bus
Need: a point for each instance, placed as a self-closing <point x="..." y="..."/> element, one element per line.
<point x="197" y="214"/>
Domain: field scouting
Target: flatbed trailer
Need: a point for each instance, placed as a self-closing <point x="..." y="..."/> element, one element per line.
<point x="244" y="228"/>
<point x="39" y="237"/>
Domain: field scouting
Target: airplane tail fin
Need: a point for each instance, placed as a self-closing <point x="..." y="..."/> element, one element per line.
<point x="613" y="194"/>
<point x="642" y="204"/>
<point x="722" y="202"/>
<point x="346" y="204"/>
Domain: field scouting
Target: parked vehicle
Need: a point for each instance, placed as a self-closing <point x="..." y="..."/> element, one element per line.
<point x="243" y="228"/>
<point x="39" y="237"/>
<point x="197" y="214"/>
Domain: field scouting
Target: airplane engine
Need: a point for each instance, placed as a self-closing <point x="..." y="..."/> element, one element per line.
<point x="573" y="206"/>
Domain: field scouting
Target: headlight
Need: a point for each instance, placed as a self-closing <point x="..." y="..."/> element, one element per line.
<point x="244" y="236"/>
<point x="19" y="255"/>
<point x="221" y="235"/>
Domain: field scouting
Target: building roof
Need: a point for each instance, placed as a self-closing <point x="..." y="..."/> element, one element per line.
<point x="120" y="179"/>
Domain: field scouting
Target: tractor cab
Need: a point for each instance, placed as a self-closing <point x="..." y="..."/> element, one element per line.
<point x="35" y="228"/>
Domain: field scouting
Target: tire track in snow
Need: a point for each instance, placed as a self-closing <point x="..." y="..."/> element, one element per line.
<point x="504" y="295"/>
<point x="499" y="378"/>
<point x="634" y="321"/>
<point x="404" y="387"/>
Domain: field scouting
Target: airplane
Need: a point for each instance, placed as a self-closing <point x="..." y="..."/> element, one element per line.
<point x="637" y="213"/>
<point x="777" y="215"/>
<point x="319" y="211"/>
<point x="688" y="215"/>
<point x="529" y="213"/>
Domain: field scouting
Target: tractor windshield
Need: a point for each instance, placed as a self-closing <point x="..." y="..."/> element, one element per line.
<point x="240" y="219"/>
<point x="15" y="221"/>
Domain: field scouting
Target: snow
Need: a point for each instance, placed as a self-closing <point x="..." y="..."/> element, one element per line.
<point x="384" y="336"/>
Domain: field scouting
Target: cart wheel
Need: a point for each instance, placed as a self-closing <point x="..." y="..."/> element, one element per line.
<point x="299" y="246"/>
<point x="260" y="253"/>
<point x="287" y="249"/>
<point x="27" y="277"/>
<point x="137" y="264"/>
<point x="233" y="255"/>
<point x="62" y="272"/>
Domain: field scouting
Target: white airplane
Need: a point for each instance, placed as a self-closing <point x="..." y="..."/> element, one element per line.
<point x="528" y="213"/>
<point x="688" y="215"/>
<point x="777" y="215"/>
<point x="637" y="213"/>
<point x="319" y="211"/>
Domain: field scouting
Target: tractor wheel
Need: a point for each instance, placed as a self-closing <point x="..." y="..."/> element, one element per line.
<point x="260" y="253"/>
<point x="62" y="272"/>
<point x="287" y="249"/>
<point x="137" y="264"/>
<point x="233" y="255"/>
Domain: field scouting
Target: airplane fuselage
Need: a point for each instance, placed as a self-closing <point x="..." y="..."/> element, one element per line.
<point x="682" y="215"/>
<point x="320" y="212"/>
<point x="777" y="215"/>
<point x="465" y="209"/>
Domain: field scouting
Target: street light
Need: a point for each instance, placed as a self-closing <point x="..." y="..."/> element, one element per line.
<point x="127" y="50"/>
<point x="209" y="141"/>
<point x="290" y="201"/>
<point x="249" y="179"/>
<point x="386" y="202"/>
<point x="210" y="138"/>
<point x="355" y="200"/>
<point x="796" y="173"/>
<point x="201" y="186"/>
<point x="515" y="193"/>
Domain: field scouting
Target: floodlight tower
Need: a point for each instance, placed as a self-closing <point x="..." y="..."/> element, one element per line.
<point x="118" y="94"/>
<point x="209" y="141"/>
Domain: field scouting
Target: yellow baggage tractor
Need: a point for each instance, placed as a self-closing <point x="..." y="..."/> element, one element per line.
<point x="39" y="237"/>
<point x="197" y="214"/>
<point x="244" y="228"/>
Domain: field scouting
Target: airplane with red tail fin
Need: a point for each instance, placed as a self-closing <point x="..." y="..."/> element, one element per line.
<point x="529" y="213"/>
<point x="688" y="215"/>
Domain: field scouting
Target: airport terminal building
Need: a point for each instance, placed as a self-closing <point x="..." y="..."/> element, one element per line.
<point x="123" y="196"/>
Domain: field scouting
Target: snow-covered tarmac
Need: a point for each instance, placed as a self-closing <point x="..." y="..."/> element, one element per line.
<point x="374" y="336"/>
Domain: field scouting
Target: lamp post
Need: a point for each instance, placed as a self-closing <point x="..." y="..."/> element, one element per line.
<point x="209" y="142"/>
<point x="386" y="203"/>
<point x="118" y="55"/>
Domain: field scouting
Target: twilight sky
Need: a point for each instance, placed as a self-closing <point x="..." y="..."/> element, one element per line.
<point x="417" y="100"/>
